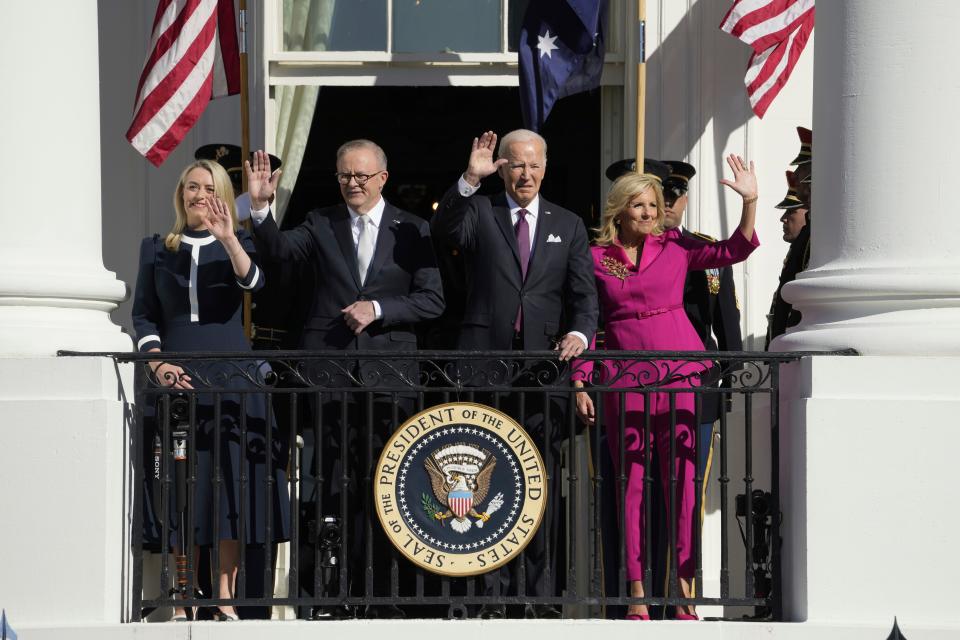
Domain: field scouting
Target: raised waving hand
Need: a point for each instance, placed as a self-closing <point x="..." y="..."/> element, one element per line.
<point x="744" y="177"/>
<point x="261" y="183"/>
<point x="482" y="162"/>
<point x="745" y="183"/>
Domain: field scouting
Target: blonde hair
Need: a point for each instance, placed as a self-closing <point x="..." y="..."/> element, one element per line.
<point x="624" y="190"/>
<point x="222" y="188"/>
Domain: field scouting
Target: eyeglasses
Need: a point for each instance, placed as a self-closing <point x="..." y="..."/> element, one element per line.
<point x="360" y="178"/>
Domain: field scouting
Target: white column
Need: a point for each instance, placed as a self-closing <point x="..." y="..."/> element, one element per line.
<point x="869" y="442"/>
<point x="64" y="422"/>
<point x="54" y="290"/>
<point x="868" y="493"/>
<point x="885" y="260"/>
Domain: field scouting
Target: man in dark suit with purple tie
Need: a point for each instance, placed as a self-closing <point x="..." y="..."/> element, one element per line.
<point x="530" y="286"/>
<point x="529" y="275"/>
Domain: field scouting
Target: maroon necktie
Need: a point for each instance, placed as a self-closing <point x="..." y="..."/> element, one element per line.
<point x="522" y="229"/>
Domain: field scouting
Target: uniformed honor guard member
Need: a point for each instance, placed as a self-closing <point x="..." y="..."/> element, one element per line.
<point x="651" y="166"/>
<point x="710" y="300"/>
<point x="796" y="231"/>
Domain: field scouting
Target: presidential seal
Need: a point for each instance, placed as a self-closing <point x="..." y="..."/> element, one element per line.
<point x="460" y="489"/>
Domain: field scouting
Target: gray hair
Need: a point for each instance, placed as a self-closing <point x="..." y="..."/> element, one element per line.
<point x="361" y="143"/>
<point x="521" y="135"/>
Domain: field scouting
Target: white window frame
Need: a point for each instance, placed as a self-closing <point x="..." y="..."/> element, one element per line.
<point x="386" y="68"/>
<point x="492" y="69"/>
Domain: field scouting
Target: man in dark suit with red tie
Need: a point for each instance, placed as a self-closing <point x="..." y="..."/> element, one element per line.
<point x="530" y="286"/>
<point x="376" y="278"/>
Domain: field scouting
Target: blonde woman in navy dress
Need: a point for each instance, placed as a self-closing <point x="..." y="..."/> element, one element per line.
<point x="189" y="298"/>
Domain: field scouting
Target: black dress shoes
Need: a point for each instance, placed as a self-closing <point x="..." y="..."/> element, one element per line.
<point x="384" y="612"/>
<point x="542" y="612"/>
<point x="332" y="612"/>
<point x="492" y="612"/>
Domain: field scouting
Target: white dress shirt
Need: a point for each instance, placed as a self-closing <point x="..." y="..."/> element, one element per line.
<point x="533" y="209"/>
<point x="375" y="215"/>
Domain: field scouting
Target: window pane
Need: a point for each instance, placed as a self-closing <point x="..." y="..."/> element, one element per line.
<point x="429" y="26"/>
<point x="335" y="25"/>
<point x="517" y="10"/>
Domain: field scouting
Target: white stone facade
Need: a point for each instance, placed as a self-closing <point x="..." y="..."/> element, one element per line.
<point x="867" y="443"/>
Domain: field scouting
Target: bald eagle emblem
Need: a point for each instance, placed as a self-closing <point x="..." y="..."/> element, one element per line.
<point x="460" y="477"/>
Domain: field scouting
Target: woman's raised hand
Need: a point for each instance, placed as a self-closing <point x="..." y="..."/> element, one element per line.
<point x="218" y="220"/>
<point x="744" y="178"/>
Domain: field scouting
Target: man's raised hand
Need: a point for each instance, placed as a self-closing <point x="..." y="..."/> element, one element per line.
<point x="482" y="163"/>
<point x="261" y="183"/>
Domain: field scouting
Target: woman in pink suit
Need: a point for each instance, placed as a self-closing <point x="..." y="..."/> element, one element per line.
<point x="640" y="270"/>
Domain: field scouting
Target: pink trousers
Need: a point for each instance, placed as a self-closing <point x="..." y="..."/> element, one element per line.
<point x="684" y="461"/>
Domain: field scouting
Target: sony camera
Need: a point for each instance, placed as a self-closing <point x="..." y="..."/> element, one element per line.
<point x="761" y="504"/>
<point x="326" y="537"/>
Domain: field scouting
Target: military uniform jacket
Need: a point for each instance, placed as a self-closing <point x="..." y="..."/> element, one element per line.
<point x="782" y="314"/>
<point x="710" y="300"/>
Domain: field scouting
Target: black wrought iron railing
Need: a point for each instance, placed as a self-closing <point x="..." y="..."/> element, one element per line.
<point x="264" y="448"/>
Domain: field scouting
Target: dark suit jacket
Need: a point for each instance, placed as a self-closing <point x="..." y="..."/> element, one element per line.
<point x="715" y="317"/>
<point x="402" y="277"/>
<point x="559" y="294"/>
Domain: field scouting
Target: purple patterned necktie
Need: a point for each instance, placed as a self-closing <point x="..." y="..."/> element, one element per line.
<point x="522" y="229"/>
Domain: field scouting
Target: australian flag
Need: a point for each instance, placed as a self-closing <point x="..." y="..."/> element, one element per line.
<point x="561" y="53"/>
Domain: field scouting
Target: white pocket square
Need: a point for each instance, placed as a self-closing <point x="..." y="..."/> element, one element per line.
<point x="553" y="238"/>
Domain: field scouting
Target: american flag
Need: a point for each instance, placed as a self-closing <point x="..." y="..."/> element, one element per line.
<point x="193" y="57"/>
<point x="777" y="30"/>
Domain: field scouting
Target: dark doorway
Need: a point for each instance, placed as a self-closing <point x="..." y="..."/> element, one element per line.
<point x="426" y="133"/>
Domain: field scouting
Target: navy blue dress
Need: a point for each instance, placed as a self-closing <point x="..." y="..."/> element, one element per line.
<point x="191" y="300"/>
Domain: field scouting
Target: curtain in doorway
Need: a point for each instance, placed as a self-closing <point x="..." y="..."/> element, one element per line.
<point x="306" y="27"/>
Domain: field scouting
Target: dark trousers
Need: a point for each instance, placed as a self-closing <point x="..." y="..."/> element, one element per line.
<point x="543" y="414"/>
